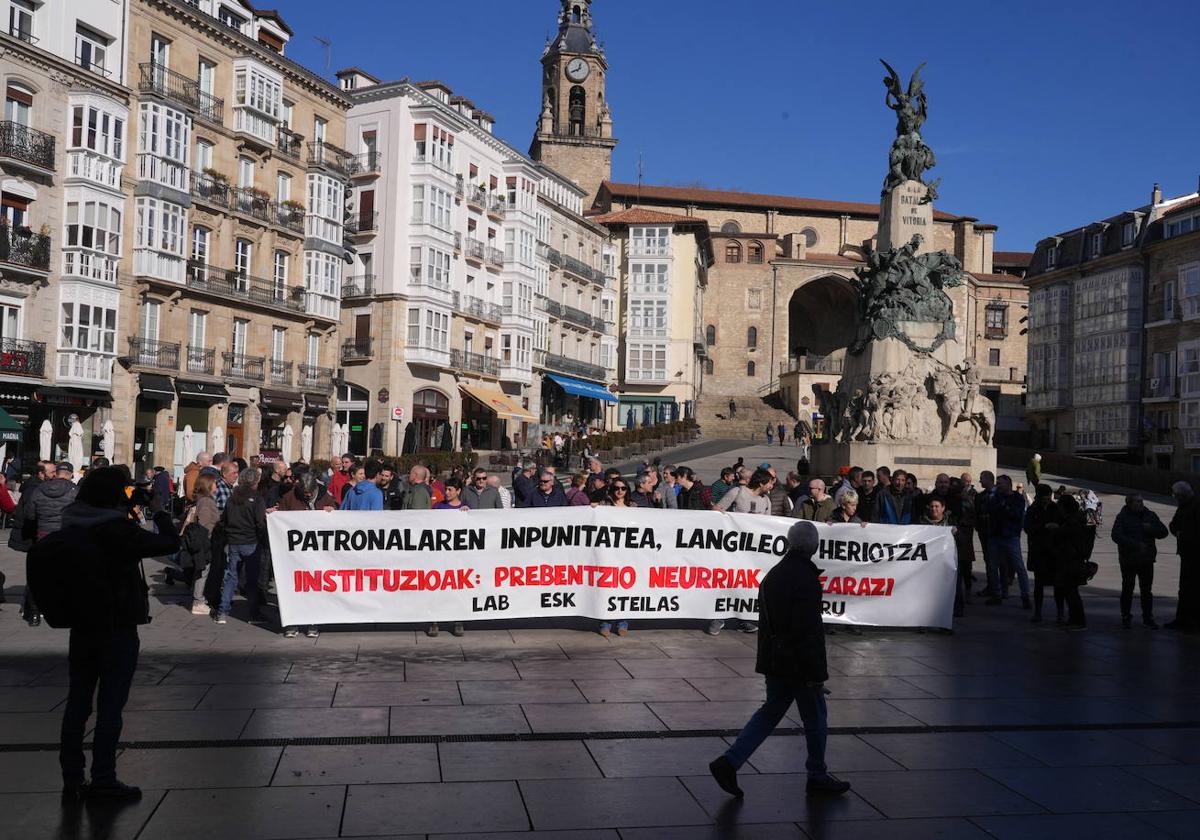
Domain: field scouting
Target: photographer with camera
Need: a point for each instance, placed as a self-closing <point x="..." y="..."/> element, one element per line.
<point x="88" y="576"/>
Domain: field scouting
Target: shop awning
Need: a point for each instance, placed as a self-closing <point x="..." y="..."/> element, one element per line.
<point x="501" y="403"/>
<point x="582" y="389"/>
<point x="201" y="391"/>
<point x="156" y="387"/>
<point x="280" y="400"/>
<point x="316" y="404"/>
<point x="10" y="430"/>
<point x="633" y="399"/>
<point x="71" y="396"/>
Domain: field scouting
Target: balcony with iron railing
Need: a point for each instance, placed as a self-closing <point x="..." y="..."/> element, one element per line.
<point x="251" y="202"/>
<point x="328" y="156"/>
<point x="474" y="307"/>
<point x="21" y="32"/>
<point x="87" y="62"/>
<point x="210" y="189"/>
<point x="201" y="361"/>
<point x="164" y="82"/>
<point x="361" y="223"/>
<point x="995" y="333"/>
<point x="1161" y="388"/>
<point x="474" y="363"/>
<point x="357" y="350"/>
<point x="813" y="364"/>
<point x="289" y="143"/>
<point x="601" y="324"/>
<point x="19" y="357"/>
<point x="231" y="283"/>
<point x="495" y="257"/>
<point x="497" y="207"/>
<point x="314" y="378"/>
<point x="147" y="352"/>
<point x="360" y="285"/>
<point x="244" y="368"/>
<point x="571" y="367"/>
<point x="24" y="251"/>
<point x="477" y="197"/>
<point x="475" y="250"/>
<point x="26" y="146"/>
<point x="365" y="165"/>
<point x="579" y="268"/>
<point x="279" y="373"/>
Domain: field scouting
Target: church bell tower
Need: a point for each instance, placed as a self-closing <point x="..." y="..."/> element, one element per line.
<point x="574" y="133"/>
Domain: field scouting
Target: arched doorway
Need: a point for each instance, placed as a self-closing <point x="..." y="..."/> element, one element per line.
<point x="431" y="414"/>
<point x="821" y="319"/>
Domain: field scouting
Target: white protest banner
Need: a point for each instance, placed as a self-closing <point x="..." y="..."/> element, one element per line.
<point x="606" y="563"/>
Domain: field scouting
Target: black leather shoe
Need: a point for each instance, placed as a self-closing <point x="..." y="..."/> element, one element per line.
<point x="726" y="775"/>
<point x="113" y="790"/>
<point x="826" y="786"/>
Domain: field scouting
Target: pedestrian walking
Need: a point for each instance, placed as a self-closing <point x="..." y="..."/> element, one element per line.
<point x="791" y="657"/>
<point x="732" y="409"/>
<point x="195" y="551"/>
<point x="781" y="431"/>
<point x="770" y="435"/>
<point x="1134" y="531"/>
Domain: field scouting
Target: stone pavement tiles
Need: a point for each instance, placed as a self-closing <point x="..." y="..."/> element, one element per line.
<point x="1003" y="729"/>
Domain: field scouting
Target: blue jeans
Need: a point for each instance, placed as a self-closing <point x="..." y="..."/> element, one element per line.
<point x="105" y="661"/>
<point x="1005" y="559"/>
<point x="781" y="693"/>
<point x="622" y="624"/>
<point x="250" y="554"/>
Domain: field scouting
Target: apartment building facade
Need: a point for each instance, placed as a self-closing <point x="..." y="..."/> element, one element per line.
<point x="236" y="245"/>
<point x="458" y="311"/>
<point x="63" y="147"/>
<point x="1109" y="340"/>
<point x="663" y="261"/>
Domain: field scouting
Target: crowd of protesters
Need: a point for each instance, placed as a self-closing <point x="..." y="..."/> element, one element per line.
<point x="223" y="503"/>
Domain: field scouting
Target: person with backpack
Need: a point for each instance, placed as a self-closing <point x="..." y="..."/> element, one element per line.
<point x="88" y="577"/>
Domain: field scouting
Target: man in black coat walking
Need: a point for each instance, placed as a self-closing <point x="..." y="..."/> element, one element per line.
<point x="1185" y="525"/>
<point x="791" y="655"/>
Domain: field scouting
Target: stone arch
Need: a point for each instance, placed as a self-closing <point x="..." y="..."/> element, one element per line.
<point x="577" y="110"/>
<point x="822" y="314"/>
<point x="731" y="226"/>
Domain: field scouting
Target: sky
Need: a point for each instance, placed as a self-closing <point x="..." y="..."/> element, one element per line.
<point x="1043" y="115"/>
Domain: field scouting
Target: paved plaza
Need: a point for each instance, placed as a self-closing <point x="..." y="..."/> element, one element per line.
<point x="1001" y="729"/>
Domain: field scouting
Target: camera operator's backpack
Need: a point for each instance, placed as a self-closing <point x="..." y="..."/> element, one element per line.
<point x="67" y="578"/>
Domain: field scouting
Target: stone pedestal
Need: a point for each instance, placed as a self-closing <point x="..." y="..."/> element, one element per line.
<point x="923" y="460"/>
<point x="902" y="214"/>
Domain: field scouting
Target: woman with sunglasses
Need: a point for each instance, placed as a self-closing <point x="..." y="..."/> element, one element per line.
<point x="618" y="496"/>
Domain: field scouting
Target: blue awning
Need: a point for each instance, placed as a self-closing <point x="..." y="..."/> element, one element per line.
<point x="582" y="389"/>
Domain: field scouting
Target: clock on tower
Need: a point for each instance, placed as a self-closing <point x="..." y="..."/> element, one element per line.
<point x="574" y="132"/>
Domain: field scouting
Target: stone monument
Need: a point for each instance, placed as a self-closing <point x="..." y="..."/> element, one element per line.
<point x="908" y="397"/>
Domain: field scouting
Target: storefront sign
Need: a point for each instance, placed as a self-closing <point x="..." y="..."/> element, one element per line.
<point x="408" y="566"/>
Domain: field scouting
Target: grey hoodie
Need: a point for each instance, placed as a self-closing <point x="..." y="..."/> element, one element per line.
<point x="47" y="502"/>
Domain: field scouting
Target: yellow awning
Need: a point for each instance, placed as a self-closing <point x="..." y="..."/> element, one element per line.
<point x="501" y="403"/>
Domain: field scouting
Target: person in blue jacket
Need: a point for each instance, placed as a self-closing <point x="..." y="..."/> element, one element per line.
<point x="366" y="494"/>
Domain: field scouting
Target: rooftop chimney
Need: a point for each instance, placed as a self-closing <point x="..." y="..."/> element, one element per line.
<point x="1156" y="195"/>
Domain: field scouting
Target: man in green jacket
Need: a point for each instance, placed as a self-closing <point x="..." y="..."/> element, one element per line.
<point x="817" y="506"/>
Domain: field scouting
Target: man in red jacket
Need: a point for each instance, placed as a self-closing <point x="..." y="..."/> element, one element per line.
<point x="341" y="478"/>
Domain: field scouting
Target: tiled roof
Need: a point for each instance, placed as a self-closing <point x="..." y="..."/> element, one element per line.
<point x="1021" y="258"/>
<point x="642" y="216"/>
<point x="1183" y="205"/>
<point x="997" y="278"/>
<point x="726" y="198"/>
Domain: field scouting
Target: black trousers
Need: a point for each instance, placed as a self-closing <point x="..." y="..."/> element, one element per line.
<point x="1187" y="613"/>
<point x="1140" y="572"/>
<point x="101" y="665"/>
<point x="1040" y="581"/>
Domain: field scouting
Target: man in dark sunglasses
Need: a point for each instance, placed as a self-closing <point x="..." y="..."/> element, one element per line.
<point x="547" y="493"/>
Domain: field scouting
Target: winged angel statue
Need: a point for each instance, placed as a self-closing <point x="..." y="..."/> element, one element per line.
<point x="910" y="158"/>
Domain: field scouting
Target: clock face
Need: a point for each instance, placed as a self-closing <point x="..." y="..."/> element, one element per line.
<point x="578" y="70"/>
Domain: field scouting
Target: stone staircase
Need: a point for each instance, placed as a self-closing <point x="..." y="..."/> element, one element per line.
<point x="754" y="412"/>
